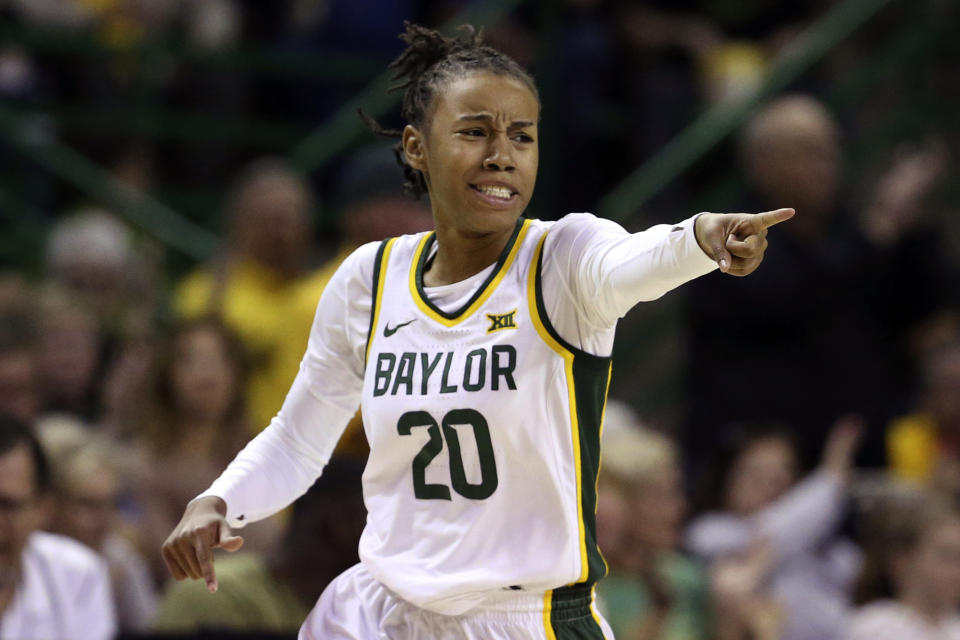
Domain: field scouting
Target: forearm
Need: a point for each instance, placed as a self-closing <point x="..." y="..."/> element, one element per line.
<point x="644" y="266"/>
<point x="803" y="517"/>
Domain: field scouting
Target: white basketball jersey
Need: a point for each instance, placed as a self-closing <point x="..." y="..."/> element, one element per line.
<point x="484" y="430"/>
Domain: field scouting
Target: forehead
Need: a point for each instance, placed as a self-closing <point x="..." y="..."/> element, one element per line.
<point x="503" y="97"/>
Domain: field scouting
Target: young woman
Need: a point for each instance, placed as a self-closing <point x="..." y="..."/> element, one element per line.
<point x="480" y="355"/>
<point x="781" y="530"/>
<point x="910" y="584"/>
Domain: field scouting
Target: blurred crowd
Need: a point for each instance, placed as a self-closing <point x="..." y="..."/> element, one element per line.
<point x="804" y="484"/>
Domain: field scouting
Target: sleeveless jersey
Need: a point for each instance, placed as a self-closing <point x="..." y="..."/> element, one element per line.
<point x="484" y="430"/>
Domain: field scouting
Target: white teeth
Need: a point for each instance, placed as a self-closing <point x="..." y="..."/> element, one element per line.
<point x="496" y="192"/>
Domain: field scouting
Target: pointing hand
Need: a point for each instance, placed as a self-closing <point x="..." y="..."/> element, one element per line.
<point x="736" y="241"/>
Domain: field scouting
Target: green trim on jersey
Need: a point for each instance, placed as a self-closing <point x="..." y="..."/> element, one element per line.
<point x="378" y="269"/>
<point x="425" y="253"/>
<point x="591" y="377"/>
<point x="572" y="616"/>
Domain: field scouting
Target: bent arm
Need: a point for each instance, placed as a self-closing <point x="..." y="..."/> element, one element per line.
<point x="284" y="460"/>
<point x="793" y="524"/>
<point x="805" y="516"/>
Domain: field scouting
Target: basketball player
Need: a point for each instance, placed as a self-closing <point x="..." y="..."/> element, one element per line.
<point x="480" y="355"/>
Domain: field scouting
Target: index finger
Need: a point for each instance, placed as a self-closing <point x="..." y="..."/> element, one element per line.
<point x="769" y="218"/>
<point x="205" y="558"/>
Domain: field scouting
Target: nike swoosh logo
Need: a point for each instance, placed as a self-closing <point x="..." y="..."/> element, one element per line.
<point x="388" y="331"/>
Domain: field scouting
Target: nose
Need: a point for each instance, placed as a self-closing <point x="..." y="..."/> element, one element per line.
<point x="499" y="155"/>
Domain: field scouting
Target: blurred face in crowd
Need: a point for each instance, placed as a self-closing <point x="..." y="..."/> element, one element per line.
<point x="203" y="379"/>
<point x="19" y="384"/>
<point x="791" y="150"/>
<point x="271" y="221"/>
<point x="930" y="573"/>
<point x="100" y="282"/>
<point x="69" y="351"/>
<point x="20" y="509"/>
<point x="612" y="516"/>
<point x="760" y="474"/>
<point x="86" y="508"/>
<point x="658" y="508"/>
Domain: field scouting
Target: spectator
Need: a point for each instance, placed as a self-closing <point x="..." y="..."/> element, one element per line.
<point x="653" y="592"/>
<point x="90" y="254"/>
<point x="910" y="584"/>
<point x="51" y="587"/>
<point x="71" y="349"/>
<point x="198" y="426"/>
<point x="274" y="592"/>
<point x="834" y="321"/>
<point x="87" y="492"/>
<point x="924" y="446"/>
<point x="805" y="569"/>
<point x="251" y="285"/>
<point x="19" y="367"/>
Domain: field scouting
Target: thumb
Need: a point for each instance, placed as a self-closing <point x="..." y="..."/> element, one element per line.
<point x="228" y="541"/>
<point x="232" y="543"/>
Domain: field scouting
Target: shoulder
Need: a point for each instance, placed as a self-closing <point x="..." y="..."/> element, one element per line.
<point x="356" y="269"/>
<point x="362" y="258"/>
<point x="581" y="225"/>
<point x="63" y="555"/>
<point x="574" y="236"/>
<point x="714" y="523"/>
<point x="881" y="620"/>
<point x="911" y="429"/>
<point x="192" y="292"/>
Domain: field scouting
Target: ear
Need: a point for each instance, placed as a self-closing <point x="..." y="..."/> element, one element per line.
<point x="413" y="147"/>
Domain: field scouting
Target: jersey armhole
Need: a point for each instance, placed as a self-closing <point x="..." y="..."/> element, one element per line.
<point x="539" y="308"/>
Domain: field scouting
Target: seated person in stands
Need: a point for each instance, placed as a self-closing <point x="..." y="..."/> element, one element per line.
<point x="653" y="591"/>
<point x="50" y="585"/>
<point x="909" y="587"/>
<point x="779" y="569"/>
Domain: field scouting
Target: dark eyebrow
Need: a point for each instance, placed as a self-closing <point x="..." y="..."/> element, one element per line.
<point x="516" y="124"/>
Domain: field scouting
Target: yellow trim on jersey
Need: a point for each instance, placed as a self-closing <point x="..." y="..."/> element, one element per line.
<point x="571" y="393"/>
<point x="593" y="602"/>
<point x="488" y="291"/>
<point x="547" y="607"/>
<point x="381" y="276"/>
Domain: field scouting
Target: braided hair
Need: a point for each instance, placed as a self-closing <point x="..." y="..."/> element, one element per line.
<point x="430" y="62"/>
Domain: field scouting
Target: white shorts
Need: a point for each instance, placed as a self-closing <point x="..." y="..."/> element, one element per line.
<point x="357" y="607"/>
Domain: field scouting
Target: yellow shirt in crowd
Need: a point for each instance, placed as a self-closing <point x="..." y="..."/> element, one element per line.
<point x="271" y="316"/>
<point x="913" y="447"/>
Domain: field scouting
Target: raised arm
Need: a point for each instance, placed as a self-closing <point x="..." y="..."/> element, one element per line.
<point x="607" y="270"/>
<point x="286" y="458"/>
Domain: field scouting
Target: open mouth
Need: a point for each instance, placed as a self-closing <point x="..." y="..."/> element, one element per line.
<point x="495" y="194"/>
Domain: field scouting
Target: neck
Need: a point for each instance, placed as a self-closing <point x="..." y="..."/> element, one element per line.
<point x="460" y="255"/>
<point x="198" y="432"/>
<point x="928" y="608"/>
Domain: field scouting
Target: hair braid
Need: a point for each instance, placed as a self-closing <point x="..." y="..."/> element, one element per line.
<point x="429" y="62"/>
